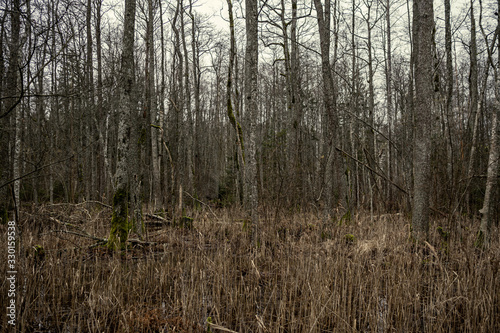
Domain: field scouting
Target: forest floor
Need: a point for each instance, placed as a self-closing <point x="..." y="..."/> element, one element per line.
<point x="365" y="275"/>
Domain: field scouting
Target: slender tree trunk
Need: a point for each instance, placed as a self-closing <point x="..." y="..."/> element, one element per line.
<point x="188" y="134"/>
<point x="120" y="225"/>
<point x="155" y="159"/>
<point x="13" y="84"/>
<point x="161" y="119"/>
<point x="197" y="118"/>
<point x="177" y="92"/>
<point x="251" y="94"/>
<point x="370" y="134"/>
<point x="323" y="18"/>
<point x="484" y="236"/>
<point x="388" y="83"/>
<point x="240" y="149"/>
<point x="449" y="90"/>
<point x="100" y="114"/>
<point x="423" y="26"/>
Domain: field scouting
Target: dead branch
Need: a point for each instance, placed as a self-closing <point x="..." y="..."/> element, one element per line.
<point x="211" y="211"/>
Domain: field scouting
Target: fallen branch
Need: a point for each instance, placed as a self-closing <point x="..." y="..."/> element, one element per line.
<point x="211" y="211"/>
<point x="100" y="240"/>
<point x="157" y="217"/>
<point x="84" y="234"/>
<point x="95" y="202"/>
<point x="220" y="328"/>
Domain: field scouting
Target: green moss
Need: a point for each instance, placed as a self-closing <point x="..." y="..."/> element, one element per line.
<point x="480" y="240"/>
<point x="246" y="225"/>
<point x="39" y="253"/>
<point x="350" y="238"/>
<point x="209" y="322"/>
<point x="325" y="235"/>
<point x="120" y="225"/>
<point x="346" y="218"/>
<point x="4" y="215"/>
<point x="445" y="235"/>
<point x="186" y="222"/>
<point x="142" y="137"/>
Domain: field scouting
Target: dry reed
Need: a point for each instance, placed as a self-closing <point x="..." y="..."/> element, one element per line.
<point x="305" y="277"/>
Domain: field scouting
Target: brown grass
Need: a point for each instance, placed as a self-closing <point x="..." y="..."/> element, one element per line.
<point x="305" y="277"/>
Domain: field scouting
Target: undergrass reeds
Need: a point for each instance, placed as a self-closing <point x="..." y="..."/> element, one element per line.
<point x="306" y="276"/>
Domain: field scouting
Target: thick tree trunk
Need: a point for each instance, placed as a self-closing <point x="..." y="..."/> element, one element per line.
<point x="423" y="26"/>
<point x="120" y="225"/>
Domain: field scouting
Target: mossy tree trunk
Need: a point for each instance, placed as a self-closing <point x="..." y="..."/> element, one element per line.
<point x="120" y="225"/>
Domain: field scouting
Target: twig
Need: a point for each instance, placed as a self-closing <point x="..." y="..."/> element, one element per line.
<point x="157" y="217"/>
<point x="211" y="211"/>
<point x="220" y="328"/>
<point x="101" y="240"/>
<point x="36" y="170"/>
<point x="95" y="202"/>
<point x="372" y="170"/>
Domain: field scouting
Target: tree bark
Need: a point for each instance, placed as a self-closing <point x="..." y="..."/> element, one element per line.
<point x="251" y="94"/>
<point x="423" y="26"/>
<point x="152" y="105"/>
<point x="484" y="236"/>
<point x="12" y="98"/>
<point x="330" y="165"/>
<point x="388" y="83"/>
<point x="120" y="224"/>
<point x="240" y="149"/>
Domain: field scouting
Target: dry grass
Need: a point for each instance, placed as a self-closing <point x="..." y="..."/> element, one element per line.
<point x="304" y="277"/>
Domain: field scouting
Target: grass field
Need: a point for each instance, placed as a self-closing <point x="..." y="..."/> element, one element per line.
<point x="363" y="276"/>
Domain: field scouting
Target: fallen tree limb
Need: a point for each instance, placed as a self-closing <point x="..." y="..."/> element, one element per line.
<point x="211" y="211"/>
<point x="101" y="240"/>
<point x="84" y="234"/>
<point x="157" y="217"/>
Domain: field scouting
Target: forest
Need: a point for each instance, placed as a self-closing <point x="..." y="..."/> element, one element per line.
<point x="250" y="166"/>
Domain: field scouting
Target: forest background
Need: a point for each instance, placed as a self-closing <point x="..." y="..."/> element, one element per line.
<point x="345" y="110"/>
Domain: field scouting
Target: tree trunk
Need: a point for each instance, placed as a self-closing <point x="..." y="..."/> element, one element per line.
<point x="251" y="93"/>
<point x="388" y="83"/>
<point x="330" y="165"/>
<point x="12" y="99"/>
<point x="120" y="225"/>
<point x="484" y="236"/>
<point x="423" y="26"/>
<point x="240" y="149"/>
<point x="449" y="88"/>
<point x="155" y="161"/>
